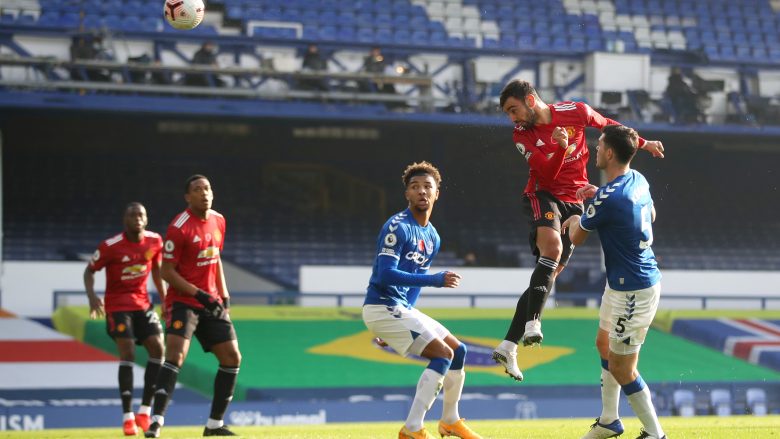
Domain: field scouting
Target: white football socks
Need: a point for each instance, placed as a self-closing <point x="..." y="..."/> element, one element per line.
<point x="144" y="410"/>
<point x="427" y="388"/>
<point x="610" y="398"/>
<point x="642" y="405"/>
<point x="127" y="416"/>
<point x="508" y="345"/>
<point x="453" y="388"/>
<point x="214" y="423"/>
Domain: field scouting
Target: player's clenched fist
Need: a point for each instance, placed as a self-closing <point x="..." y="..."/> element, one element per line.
<point x="450" y="279"/>
<point x="561" y="137"/>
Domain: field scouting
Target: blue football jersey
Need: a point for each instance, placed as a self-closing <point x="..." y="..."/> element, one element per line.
<point x="413" y="247"/>
<point x="621" y="211"/>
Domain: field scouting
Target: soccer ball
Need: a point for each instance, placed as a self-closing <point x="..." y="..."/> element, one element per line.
<point x="184" y="14"/>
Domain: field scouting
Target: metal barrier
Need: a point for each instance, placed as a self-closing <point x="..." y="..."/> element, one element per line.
<point x="294" y="297"/>
<point x="49" y="79"/>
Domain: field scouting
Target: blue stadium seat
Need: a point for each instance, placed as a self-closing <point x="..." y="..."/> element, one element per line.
<point x="419" y="38"/>
<point x="365" y="35"/>
<point x="346" y="33"/>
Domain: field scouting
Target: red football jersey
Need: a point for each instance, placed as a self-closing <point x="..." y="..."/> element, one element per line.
<point x="193" y="245"/>
<point x="553" y="169"/>
<point x="128" y="265"/>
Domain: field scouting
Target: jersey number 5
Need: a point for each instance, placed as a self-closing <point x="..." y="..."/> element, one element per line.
<point x="647" y="227"/>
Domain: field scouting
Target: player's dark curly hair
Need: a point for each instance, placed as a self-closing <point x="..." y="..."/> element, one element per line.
<point x="422" y="168"/>
<point x="191" y="179"/>
<point x="516" y="89"/>
<point x="624" y="141"/>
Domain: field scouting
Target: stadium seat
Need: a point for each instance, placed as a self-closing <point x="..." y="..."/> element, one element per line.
<point x="720" y="402"/>
<point x="756" y="402"/>
<point x="683" y="403"/>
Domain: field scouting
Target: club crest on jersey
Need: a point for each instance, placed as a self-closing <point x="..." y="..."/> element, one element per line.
<point x="217" y="236"/>
<point x="149" y="254"/>
<point x="570" y="131"/>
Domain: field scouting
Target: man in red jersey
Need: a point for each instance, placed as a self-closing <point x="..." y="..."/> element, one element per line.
<point x="197" y="304"/>
<point x="551" y="137"/>
<point x="130" y="318"/>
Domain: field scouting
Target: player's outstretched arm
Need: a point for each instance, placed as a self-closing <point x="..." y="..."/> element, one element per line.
<point x="654" y="147"/>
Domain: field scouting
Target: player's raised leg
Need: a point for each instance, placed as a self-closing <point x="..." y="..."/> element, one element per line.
<point x="451" y="424"/>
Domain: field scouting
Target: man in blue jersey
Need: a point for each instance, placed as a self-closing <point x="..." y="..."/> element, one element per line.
<point x="622" y="212"/>
<point x="406" y="246"/>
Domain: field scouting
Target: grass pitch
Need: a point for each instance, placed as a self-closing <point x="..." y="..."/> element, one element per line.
<point x="701" y="427"/>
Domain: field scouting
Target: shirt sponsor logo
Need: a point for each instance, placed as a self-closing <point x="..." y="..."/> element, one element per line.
<point x="133" y="271"/>
<point x="211" y="253"/>
<point x="417" y="257"/>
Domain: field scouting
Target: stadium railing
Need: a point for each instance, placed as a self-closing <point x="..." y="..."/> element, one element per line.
<point x="49" y="79"/>
<point x="71" y="297"/>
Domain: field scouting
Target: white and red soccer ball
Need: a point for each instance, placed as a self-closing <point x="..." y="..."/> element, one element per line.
<point x="184" y="14"/>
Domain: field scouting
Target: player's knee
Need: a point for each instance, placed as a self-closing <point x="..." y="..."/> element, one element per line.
<point x="440" y="365"/>
<point x="175" y="358"/>
<point x="231" y="358"/>
<point x="459" y="357"/>
<point x="155" y="348"/>
<point x="551" y="248"/>
<point x="447" y="352"/>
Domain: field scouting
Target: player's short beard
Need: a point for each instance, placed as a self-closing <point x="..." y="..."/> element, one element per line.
<point x="531" y="118"/>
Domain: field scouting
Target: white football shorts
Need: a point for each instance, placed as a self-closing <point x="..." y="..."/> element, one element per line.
<point x="407" y="331"/>
<point x="627" y="316"/>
